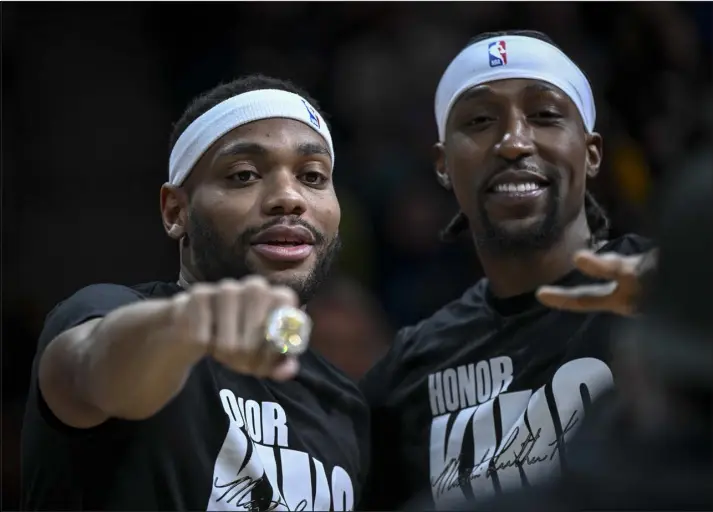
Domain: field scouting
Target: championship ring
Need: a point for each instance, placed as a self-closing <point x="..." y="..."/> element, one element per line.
<point x="288" y="330"/>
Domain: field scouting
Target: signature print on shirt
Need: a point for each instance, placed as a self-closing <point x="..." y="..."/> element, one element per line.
<point x="256" y="470"/>
<point x="484" y="439"/>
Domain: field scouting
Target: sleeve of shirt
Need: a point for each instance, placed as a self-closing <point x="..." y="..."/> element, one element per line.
<point x="385" y="484"/>
<point x="94" y="301"/>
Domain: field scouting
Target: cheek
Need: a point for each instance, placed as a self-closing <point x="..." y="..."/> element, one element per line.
<point x="328" y="213"/>
<point x="578" y="169"/>
<point x="572" y="193"/>
<point x="230" y="210"/>
<point x="464" y="163"/>
<point x="570" y="159"/>
<point x="465" y="197"/>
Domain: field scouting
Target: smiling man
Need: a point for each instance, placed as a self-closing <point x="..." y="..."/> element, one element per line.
<point x="483" y="396"/>
<point x="189" y="395"/>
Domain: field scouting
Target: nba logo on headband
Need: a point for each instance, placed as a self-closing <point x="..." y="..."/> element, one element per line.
<point x="498" y="54"/>
<point x="313" y="117"/>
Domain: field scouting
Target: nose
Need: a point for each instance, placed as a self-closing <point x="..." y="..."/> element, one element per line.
<point x="283" y="195"/>
<point x="516" y="141"/>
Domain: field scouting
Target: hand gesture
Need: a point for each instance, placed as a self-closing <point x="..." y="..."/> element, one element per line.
<point x="619" y="295"/>
<point x="235" y="322"/>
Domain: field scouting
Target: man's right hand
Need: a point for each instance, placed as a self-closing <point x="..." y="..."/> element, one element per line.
<point x="228" y="319"/>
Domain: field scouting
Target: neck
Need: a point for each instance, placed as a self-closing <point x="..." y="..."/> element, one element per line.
<point x="186" y="275"/>
<point x="514" y="274"/>
<point x="185" y="279"/>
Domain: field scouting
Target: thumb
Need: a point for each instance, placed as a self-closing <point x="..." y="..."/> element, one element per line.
<point x="603" y="266"/>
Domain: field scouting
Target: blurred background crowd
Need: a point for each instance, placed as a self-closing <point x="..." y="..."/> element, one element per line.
<point x="90" y="92"/>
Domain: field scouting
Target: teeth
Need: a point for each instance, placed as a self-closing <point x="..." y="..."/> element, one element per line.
<point x="516" y="187"/>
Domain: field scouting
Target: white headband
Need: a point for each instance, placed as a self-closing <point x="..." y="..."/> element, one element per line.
<point x="505" y="57"/>
<point x="237" y="111"/>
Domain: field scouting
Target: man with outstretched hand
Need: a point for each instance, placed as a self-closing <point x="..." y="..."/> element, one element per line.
<point x="484" y="395"/>
<point x="189" y="395"/>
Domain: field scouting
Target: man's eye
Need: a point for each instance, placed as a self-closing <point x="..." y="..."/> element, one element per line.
<point x="547" y="115"/>
<point x="313" y="178"/>
<point x="479" y="120"/>
<point x="243" y="176"/>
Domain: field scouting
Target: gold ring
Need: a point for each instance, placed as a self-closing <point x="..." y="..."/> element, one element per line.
<point x="288" y="329"/>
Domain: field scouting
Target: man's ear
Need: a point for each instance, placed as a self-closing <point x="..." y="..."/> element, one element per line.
<point x="439" y="157"/>
<point x="594" y="154"/>
<point x="174" y="210"/>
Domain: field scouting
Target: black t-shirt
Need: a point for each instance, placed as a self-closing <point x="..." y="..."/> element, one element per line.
<point x="615" y="466"/>
<point x="226" y="442"/>
<point x="482" y="396"/>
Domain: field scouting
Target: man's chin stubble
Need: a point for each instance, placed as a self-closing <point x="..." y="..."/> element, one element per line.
<point x="541" y="236"/>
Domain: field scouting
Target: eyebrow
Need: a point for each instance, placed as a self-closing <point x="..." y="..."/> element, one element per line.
<point x="475" y="92"/>
<point x="251" y="148"/>
<point x="543" y="87"/>
<point x="483" y="90"/>
<point x="241" y="148"/>
<point x="311" y="148"/>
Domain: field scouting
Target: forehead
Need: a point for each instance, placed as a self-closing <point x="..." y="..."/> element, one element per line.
<point x="512" y="89"/>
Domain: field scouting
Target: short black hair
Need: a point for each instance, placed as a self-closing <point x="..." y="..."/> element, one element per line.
<point x="222" y="92"/>
<point x="596" y="216"/>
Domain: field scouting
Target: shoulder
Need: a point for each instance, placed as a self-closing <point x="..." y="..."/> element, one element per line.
<point x="454" y="316"/>
<point x="422" y="342"/>
<point x="93" y="301"/>
<point x="104" y="295"/>
<point x="156" y="289"/>
<point x="107" y="296"/>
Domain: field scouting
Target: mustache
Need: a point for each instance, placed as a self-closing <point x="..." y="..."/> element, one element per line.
<point x="287" y="220"/>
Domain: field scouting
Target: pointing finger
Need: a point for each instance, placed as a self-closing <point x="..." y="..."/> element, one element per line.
<point x="587" y="290"/>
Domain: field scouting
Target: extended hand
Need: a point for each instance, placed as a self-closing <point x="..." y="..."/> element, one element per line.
<point x="229" y="319"/>
<point x="619" y="295"/>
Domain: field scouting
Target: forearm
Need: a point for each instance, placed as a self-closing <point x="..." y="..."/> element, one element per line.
<point x="127" y="365"/>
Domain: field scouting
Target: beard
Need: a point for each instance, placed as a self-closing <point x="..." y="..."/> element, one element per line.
<point x="539" y="236"/>
<point x="216" y="259"/>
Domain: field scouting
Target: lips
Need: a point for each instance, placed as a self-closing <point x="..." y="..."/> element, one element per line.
<point x="284" y="243"/>
<point x="284" y="235"/>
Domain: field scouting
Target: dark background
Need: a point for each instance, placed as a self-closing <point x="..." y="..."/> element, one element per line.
<point x="90" y="92"/>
